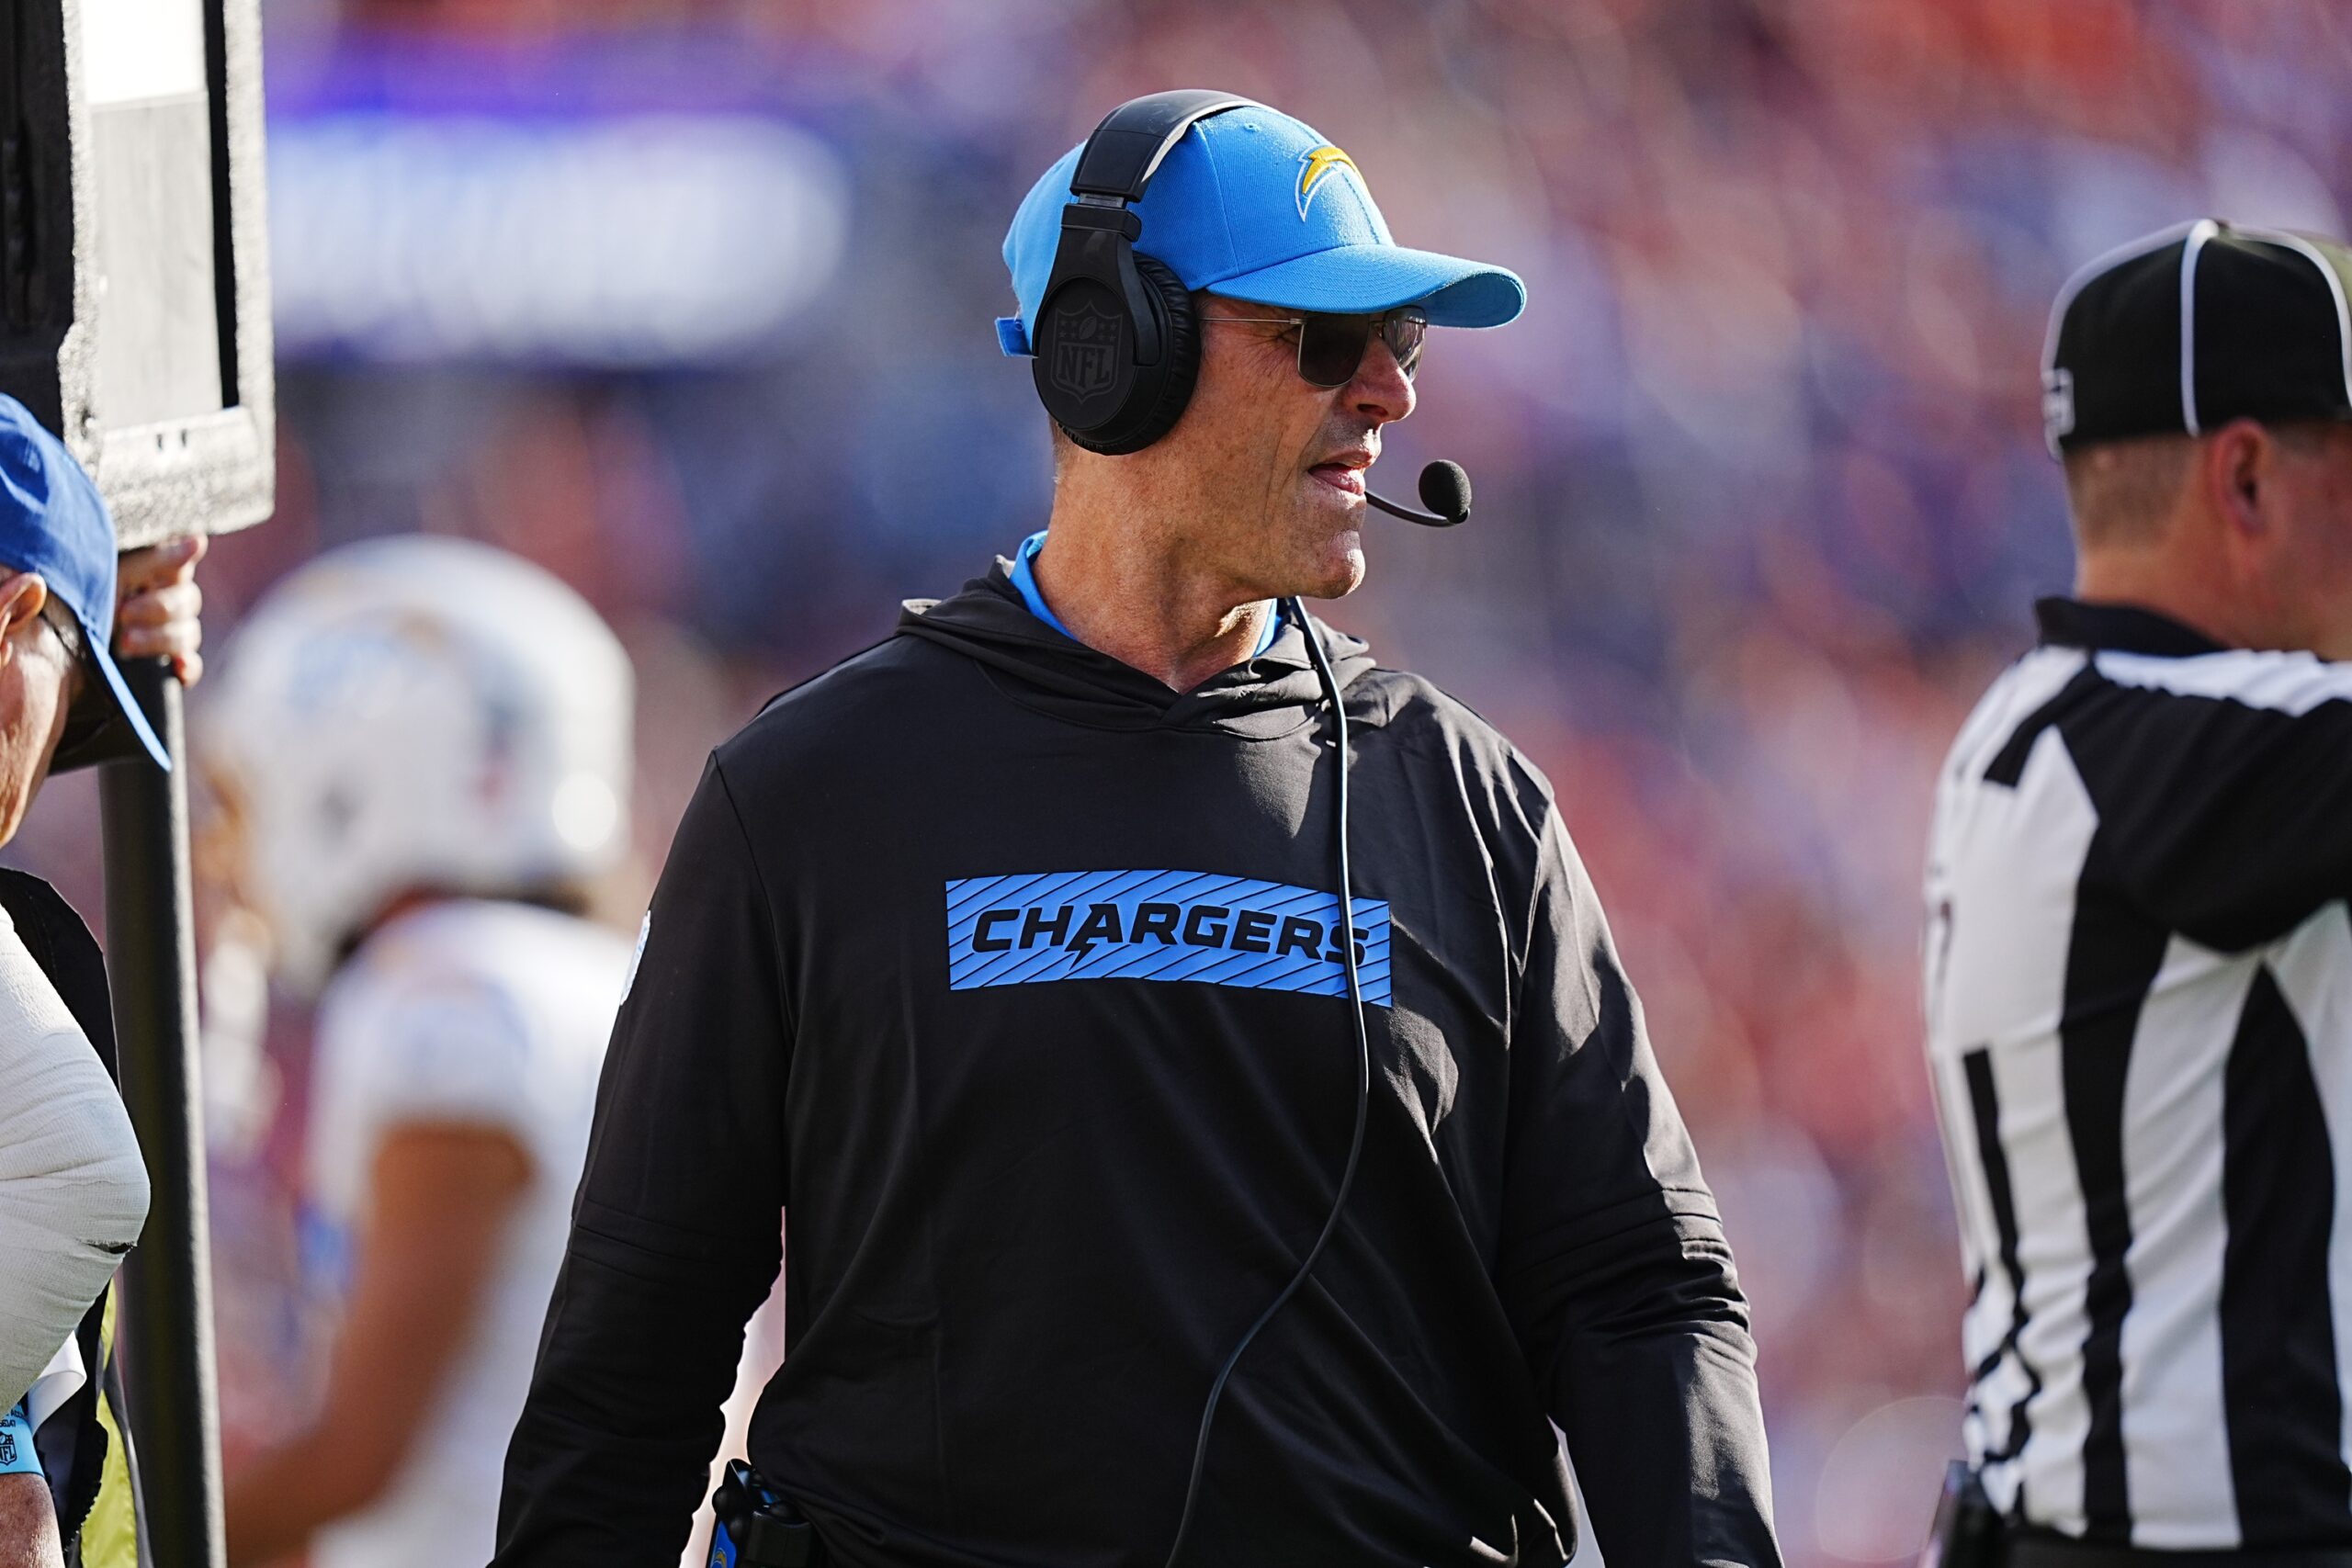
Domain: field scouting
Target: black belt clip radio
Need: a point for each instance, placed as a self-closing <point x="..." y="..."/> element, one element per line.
<point x="757" y="1527"/>
<point x="1968" y="1530"/>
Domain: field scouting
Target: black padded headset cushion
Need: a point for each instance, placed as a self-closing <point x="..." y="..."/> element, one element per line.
<point x="1156" y="394"/>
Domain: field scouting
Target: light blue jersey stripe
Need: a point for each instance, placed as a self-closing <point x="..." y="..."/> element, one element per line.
<point x="16" y="1455"/>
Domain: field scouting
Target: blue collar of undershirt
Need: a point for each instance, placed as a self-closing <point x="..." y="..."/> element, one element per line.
<point x="1025" y="583"/>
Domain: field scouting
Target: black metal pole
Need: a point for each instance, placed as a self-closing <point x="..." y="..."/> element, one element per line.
<point x="164" y="1325"/>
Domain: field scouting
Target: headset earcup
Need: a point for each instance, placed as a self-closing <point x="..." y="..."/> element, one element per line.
<point x="1160" y="391"/>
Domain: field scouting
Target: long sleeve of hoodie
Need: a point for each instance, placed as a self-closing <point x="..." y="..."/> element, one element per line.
<point x="674" y="1235"/>
<point x="73" y="1188"/>
<point x="1615" y="1270"/>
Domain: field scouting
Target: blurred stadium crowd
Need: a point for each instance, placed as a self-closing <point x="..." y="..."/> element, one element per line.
<point x="689" y="300"/>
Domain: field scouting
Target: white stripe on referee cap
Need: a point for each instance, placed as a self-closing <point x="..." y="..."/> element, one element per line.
<point x="2311" y="252"/>
<point x="2080" y="280"/>
<point x="2200" y="231"/>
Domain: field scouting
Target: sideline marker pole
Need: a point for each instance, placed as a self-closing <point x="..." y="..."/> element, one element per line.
<point x="165" y="1324"/>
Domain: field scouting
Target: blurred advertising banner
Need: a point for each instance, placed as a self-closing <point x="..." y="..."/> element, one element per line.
<point x="531" y="231"/>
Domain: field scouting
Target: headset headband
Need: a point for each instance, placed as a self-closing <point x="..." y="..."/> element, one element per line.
<point x="1116" y="163"/>
<point x="1126" y="149"/>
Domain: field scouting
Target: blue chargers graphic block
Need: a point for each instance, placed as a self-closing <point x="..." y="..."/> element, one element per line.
<point x="1160" y="925"/>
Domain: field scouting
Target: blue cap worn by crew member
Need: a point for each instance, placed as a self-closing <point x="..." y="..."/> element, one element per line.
<point x="1256" y="206"/>
<point x="53" y="523"/>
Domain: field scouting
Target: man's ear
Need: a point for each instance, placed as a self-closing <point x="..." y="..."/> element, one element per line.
<point x="22" y="595"/>
<point x="2237" y="460"/>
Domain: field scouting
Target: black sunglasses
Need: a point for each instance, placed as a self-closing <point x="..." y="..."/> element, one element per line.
<point x="1332" y="348"/>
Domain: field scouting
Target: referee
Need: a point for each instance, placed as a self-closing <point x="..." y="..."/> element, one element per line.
<point x="2139" y="960"/>
<point x="1016" y="959"/>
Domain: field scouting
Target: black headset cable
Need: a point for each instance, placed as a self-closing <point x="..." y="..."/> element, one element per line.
<point x="1322" y="662"/>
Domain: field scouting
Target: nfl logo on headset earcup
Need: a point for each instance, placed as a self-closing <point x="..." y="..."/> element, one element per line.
<point x="1085" y="354"/>
<point x="1086" y="369"/>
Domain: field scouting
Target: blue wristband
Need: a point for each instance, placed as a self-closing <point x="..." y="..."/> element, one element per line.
<point x="16" y="1455"/>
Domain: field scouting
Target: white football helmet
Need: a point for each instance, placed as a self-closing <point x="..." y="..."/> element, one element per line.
<point x="414" y="713"/>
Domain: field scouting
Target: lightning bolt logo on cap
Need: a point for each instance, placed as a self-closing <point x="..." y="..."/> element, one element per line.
<point x="1316" y="164"/>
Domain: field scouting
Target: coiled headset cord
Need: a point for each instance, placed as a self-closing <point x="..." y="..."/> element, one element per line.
<point x="1364" y="1080"/>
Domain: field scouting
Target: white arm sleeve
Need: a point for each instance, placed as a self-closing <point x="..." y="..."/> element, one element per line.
<point x="73" y="1187"/>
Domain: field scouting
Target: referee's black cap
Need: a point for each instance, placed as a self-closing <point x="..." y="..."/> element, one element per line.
<point x="2183" y="331"/>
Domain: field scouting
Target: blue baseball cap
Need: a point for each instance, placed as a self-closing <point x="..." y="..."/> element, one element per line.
<point x="1254" y="205"/>
<point x="54" y="523"/>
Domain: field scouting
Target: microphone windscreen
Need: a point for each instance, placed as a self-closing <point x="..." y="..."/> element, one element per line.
<point x="1445" y="489"/>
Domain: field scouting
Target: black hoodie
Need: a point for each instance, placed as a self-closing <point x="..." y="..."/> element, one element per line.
<point x="1012" y="976"/>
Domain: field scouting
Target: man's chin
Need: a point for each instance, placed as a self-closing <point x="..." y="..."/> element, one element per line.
<point x="1335" y="577"/>
<point x="1324" y="556"/>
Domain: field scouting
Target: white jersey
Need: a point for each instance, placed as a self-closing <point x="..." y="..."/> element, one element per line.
<point x="73" y="1190"/>
<point x="480" y="1013"/>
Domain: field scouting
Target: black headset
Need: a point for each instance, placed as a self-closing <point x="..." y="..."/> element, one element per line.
<point x="1117" y="343"/>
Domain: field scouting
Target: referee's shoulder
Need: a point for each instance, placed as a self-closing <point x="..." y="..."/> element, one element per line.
<point x="2135" y="719"/>
<point x="2286" y="683"/>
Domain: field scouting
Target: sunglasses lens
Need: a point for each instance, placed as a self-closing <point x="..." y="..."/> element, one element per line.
<point x="1332" y="348"/>
<point x="1405" y="332"/>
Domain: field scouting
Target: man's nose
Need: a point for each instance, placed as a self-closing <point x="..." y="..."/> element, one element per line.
<point x="1381" y="391"/>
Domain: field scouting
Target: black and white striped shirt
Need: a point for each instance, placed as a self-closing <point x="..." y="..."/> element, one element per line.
<point x="2139" y="988"/>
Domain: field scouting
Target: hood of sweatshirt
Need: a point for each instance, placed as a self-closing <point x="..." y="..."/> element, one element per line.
<point x="1041" y="669"/>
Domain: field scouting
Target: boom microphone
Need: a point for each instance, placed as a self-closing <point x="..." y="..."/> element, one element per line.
<point x="1445" y="490"/>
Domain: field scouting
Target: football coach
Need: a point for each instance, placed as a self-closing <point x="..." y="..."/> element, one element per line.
<point x="2139" y="963"/>
<point x="1213" y="1120"/>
